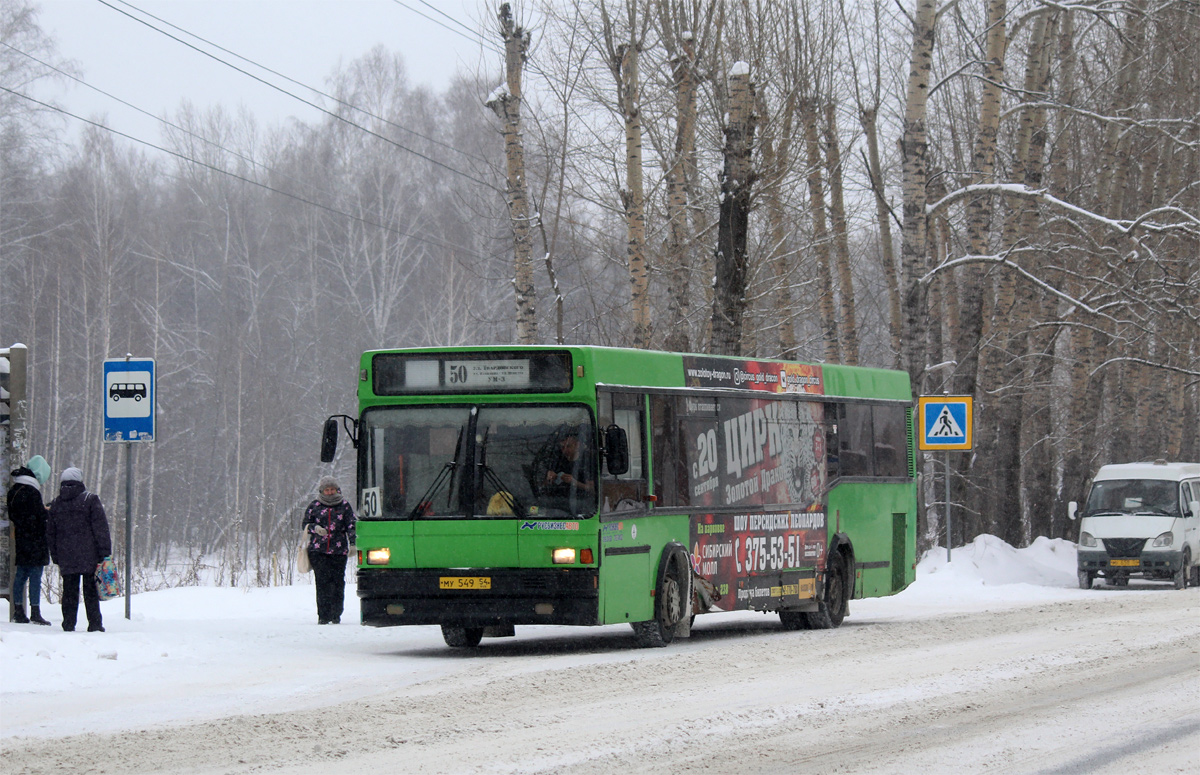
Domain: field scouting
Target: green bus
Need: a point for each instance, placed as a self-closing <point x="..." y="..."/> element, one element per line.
<point x="571" y="485"/>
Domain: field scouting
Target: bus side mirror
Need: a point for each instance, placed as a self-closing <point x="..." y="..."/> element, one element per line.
<point x="1072" y="507"/>
<point x="616" y="450"/>
<point x="329" y="436"/>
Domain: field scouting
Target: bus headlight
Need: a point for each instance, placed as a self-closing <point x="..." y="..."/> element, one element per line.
<point x="564" y="556"/>
<point x="1165" y="539"/>
<point x="379" y="556"/>
<point x="1087" y="539"/>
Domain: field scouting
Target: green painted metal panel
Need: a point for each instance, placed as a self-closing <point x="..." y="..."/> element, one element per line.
<point x="480" y="543"/>
<point x="627" y="580"/>
<point x="858" y="382"/>
<point x="397" y="537"/>
<point x="866" y="514"/>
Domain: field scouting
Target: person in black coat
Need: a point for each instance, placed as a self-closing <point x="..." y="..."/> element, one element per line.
<point x="329" y="522"/>
<point x="79" y="539"/>
<point x="28" y="515"/>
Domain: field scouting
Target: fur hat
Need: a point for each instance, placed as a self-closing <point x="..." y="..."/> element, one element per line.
<point x="72" y="474"/>
<point x="329" y="500"/>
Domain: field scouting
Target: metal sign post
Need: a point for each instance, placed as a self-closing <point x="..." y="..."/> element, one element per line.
<point x="946" y="423"/>
<point x="129" y="401"/>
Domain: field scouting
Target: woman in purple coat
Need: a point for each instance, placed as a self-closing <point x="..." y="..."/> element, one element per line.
<point x="329" y="522"/>
<point x="79" y="539"/>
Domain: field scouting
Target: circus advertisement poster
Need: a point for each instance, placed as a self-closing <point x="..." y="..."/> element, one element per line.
<point x="750" y="452"/>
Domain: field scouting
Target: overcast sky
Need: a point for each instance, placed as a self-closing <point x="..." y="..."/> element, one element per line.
<point x="303" y="39"/>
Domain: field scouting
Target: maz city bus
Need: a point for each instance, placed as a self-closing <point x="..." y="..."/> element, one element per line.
<point x="500" y="486"/>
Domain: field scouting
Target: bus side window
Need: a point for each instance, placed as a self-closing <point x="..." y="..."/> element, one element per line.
<point x="832" y="471"/>
<point x="670" y="452"/>
<point x="627" y="491"/>
<point x="855" y="440"/>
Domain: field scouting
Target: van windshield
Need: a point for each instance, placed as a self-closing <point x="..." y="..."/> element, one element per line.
<point x="1133" y="496"/>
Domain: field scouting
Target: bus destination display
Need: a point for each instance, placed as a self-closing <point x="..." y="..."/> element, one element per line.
<point x="489" y="374"/>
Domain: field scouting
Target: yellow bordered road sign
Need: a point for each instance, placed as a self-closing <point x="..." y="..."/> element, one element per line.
<point x="945" y="422"/>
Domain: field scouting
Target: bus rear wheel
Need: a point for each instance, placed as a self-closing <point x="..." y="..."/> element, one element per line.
<point x="668" y="611"/>
<point x="832" y="607"/>
<point x="793" y="620"/>
<point x="461" y="637"/>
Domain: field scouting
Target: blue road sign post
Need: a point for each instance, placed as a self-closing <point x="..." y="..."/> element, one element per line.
<point x="130" y="395"/>
<point x="945" y="423"/>
<point x="129" y="399"/>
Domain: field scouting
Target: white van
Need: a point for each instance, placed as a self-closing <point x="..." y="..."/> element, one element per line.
<point x="1141" y="519"/>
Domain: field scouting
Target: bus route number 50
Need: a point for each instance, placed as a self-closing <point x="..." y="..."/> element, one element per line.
<point x="370" y="503"/>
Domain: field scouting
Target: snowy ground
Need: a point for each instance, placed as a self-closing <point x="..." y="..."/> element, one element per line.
<point x="209" y="679"/>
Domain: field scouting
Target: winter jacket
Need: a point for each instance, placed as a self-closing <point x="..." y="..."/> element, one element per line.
<point x="337" y="519"/>
<point x="28" y="516"/>
<point x="77" y="530"/>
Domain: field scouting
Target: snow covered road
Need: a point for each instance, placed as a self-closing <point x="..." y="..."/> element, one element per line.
<point x="1104" y="681"/>
<point x="995" y="662"/>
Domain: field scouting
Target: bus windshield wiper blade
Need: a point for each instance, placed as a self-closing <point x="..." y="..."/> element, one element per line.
<point x="494" y="479"/>
<point x="445" y="475"/>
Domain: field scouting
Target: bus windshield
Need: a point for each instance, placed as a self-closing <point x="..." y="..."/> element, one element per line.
<point x="478" y="461"/>
<point x="1133" y="496"/>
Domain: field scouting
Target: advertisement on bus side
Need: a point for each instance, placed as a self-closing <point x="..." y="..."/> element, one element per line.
<point x="759" y="561"/>
<point x="769" y="376"/>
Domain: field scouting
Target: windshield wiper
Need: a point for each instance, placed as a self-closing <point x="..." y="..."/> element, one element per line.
<point x="446" y="475"/>
<point x="492" y="478"/>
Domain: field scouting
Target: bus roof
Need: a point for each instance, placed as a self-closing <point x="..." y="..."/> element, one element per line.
<point x="628" y="367"/>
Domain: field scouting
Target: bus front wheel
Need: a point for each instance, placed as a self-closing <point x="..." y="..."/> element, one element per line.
<point x="668" y="609"/>
<point x="461" y="637"/>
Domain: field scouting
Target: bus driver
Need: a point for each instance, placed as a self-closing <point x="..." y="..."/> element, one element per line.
<point x="570" y="469"/>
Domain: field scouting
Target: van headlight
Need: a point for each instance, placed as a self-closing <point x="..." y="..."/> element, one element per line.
<point x="1087" y="539"/>
<point x="1164" y="539"/>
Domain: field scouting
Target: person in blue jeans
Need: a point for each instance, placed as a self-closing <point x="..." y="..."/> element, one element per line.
<point x="31" y="554"/>
<point x="329" y="522"/>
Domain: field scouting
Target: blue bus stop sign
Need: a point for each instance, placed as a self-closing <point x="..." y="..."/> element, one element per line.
<point x="129" y="399"/>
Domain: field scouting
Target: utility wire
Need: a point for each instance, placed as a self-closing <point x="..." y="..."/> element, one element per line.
<point x="366" y="222"/>
<point x="474" y="36"/>
<point x="307" y="102"/>
<point x="190" y="133"/>
<point x="301" y="84"/>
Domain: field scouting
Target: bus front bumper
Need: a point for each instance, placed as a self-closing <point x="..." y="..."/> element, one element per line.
<point x="391" y="596"/>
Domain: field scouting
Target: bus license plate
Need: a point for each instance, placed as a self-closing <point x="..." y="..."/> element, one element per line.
<point x="1124" y="563"/>
<point x="465" y="582"/>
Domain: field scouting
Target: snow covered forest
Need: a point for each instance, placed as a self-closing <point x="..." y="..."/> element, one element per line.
<point x="1001" y="197"/>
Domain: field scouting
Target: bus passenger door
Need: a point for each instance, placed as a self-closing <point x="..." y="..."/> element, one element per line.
<point x="625" y="568"/>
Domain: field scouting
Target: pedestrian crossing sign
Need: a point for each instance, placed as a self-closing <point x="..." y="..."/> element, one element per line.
<point x="945" y="422"/>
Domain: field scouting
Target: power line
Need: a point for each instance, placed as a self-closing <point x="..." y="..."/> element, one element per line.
<point x="324" y="110"/>
<point x="312" y="89"/>
<point x="473" y="36"/>
<point x="190" y="133"/>
<point x="235" y="176"/>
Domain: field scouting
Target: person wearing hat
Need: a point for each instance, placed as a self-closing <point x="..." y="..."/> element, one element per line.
<point x="569" y="472"/>
<point x="30" y="555"/>
<point x="79" y="538"/>
<point x="329" y="522"/>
